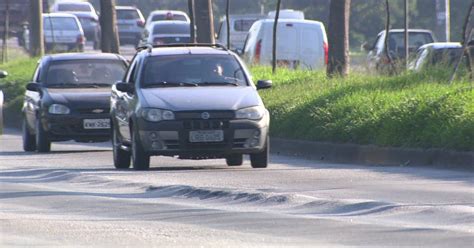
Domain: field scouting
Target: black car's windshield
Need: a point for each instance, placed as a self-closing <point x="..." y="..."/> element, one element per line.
<point x="84" y="73"/>
<point x="197" y="70"/>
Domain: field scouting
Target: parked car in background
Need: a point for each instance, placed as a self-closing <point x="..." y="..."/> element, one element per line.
<point x="130" y="23"/>
<point x="192" y="101"/>
<point x="3" y="74"/>
<point x="300" y="44"/>
<point x="74" y="7"/>
<point x="287" y="14"/>
<point x="437" y="54"/>
<point x="239" y="28"/>
<point x="167" y="15"/>
<point x="90" y="26"/>
<point x="69" y="99"/>
<point x="376" y="58"/>
<point x="62" y="33"/>
<point x="167" y="32"/>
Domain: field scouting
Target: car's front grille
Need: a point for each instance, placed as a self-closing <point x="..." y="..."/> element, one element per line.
<point x="93" y="111"/>
<point x="211" y="115"/>
<point x="205" y="124"/>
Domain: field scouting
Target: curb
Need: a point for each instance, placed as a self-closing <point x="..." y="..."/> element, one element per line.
<point x="373" y="155"/>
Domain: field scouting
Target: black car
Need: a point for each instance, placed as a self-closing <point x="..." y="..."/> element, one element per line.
<point x="192" y="101"/>
<point x="69" y="99"/>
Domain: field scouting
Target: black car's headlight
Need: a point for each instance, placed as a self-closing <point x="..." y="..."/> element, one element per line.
<point x="58" y="109"/>
<point x="156" y="115"/>
<point x="252" y="113"/>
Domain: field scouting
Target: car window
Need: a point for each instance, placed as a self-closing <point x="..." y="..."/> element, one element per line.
<point x="243" y="25"/>
<point x="86" y="21"/>
<point x="194" y="69"/>
<point x="86" y="71"/>
<point x="446" y="56"/>
<point x="127" y="14"/>
<point x="168" y="16"/>
<point x="60" y="23"/>
<point x="396" y="40"/>
<point x="74" y="7"/>
<point x="172" y="28"/>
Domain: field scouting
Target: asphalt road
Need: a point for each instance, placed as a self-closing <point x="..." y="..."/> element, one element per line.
<point x="74" y="197"/>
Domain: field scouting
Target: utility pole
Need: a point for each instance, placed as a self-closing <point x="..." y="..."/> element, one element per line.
<point x="192" y="24"/>
<point x="406" y="35"/>
<point x="443" y="17"/>
<point x="275" y="28"/>
<point x="227" y="23"/>
<point x="5" y="32"/>
<point x="204" y="21"/>
<point x="36" y="24"/>
<point x="108" y="20"/>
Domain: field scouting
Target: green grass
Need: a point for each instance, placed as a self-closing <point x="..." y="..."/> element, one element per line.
<point x="413" y="110"/>
<point x="20" y="72"/>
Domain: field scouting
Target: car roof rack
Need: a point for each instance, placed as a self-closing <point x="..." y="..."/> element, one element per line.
<point x="150" y="47"/>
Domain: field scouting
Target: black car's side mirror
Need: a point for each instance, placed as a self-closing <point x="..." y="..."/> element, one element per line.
<point x="3" y="74"/>
<point x="125" y="87"/>
<point x="239" y="51"/>
<point x="33" y="87"/>
<point x="264" y="84"/>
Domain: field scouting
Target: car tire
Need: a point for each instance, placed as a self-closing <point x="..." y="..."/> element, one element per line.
<point x="43" y="144"/>
<point x="260" y="160"/>
<point x="121" y="157"/>
<point x="29" y="142"/>
<point x="140" y="160"/>
<point x="234" y="160"/>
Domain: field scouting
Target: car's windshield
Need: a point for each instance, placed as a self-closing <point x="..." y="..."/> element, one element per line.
<point x="396" y="40"/>
<point x="168" y="16"/>
<point x="201" y="70"/>
<point x="243" y="25"/>
<point x="60" y="23"/>
<point x="86" y="72"/>
<point x="74" y="7"/>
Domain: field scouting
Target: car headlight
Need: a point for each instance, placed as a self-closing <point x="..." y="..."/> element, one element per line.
<point x="58" y="109"/>
<point x="156" y="115"/>
<point x="252" y="113"/>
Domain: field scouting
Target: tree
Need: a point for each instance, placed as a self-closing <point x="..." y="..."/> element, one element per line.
<point x="275" y="28"/>
<point x="108" y="20"/>
<point x="338" y="38"/>
<point x="36" y="35"/>
<point x="204" y="21"/>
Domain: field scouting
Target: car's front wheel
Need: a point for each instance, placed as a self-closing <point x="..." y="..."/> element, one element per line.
<point x="121" y="157"/>
<point x="234" y="160"/>
<point x="260" y="160"/>
<point x="140" y="160"/>
<point x="29" y="143"/>
<point x="43" y="144"/>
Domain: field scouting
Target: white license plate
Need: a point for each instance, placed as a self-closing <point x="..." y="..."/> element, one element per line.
<point x="61" y="47"/>
<point x="206" y="136"/>
<point x="96" y="123"/>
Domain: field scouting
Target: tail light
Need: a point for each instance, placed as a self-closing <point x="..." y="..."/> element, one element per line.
<point x="141" y="23"/>
<point x="81" y="39"/>
<point x="258" y="51"/>
<point x="326" y="52"/>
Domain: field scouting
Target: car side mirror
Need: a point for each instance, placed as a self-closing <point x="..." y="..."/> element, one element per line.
<point x="3" y="74"/>
<point x="125" y="87"/>
<point x="366" y="47"/>
<point x="264" y="84"/>
<point x="33" y="87"/>
<point x="239" y="51"/>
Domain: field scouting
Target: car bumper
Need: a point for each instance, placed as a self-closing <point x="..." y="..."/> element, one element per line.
<point x="64" y="47"/>
<point x="172" y="138"/>
<point x="129" y="36"/>
<point x="71" y="127"/>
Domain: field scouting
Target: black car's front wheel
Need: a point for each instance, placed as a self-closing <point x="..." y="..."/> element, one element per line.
<point x="140" y="160"/>
<point x="43" y="144"/>
<point x="260" y="160"/>
<point x="29" y="142"/>
<point x="234" y="160"/>
<point x="121" y="157"/>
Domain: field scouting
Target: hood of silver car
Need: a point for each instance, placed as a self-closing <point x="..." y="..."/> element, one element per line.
<point x="202" y="98"/>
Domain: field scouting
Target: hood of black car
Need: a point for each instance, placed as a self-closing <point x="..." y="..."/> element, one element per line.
<point x="81" y="98"/>
<point x="202" y="98"/>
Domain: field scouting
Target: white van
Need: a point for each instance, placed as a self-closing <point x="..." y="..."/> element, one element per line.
<point x="287" y="14"/>
<point x="239" y="28"/>
<point x="300" y="44"/>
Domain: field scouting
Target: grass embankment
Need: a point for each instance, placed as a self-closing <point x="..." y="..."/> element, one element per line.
<point x="414" y="110"/>
<point x="20" y="73"/>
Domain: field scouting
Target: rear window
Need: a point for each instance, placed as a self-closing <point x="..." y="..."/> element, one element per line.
<point x="172" y="28"/>
<point x="83" y="72"/>
<point x="127" y="14"/>
<point x="60" y="23"/>
<point x="416" y="40"/>
<point x="169" y="16"/>
<point x="244" y="24"/>
<point x="193" y="69"/>
<point x="446" y="56"/>
<point x="74" y="7"/>
<point x="171" y="40"/>
<point x="85" y="21"/>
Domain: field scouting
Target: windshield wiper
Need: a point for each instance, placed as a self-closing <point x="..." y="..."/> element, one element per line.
<point x="217" y="83"/>
<point x="170" y="84"/>
<point x="96" y="85"/>
<point x="62" y="85"/>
